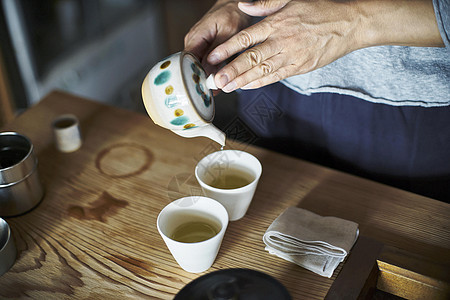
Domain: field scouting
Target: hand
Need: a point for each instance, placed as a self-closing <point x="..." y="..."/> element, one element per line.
<point x="221" y="22"/>
<point x="299" y="36"/>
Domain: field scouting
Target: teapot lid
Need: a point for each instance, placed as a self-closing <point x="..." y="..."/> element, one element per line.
<point x="230" y="284"/>
<point x="194" y="78"/>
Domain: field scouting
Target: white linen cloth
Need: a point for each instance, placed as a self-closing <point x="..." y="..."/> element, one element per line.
<point x="314" y="242"/>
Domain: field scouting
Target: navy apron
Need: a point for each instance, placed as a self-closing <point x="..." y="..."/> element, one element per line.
<point x="404" y="146"/>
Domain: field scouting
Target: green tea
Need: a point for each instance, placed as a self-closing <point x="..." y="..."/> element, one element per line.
<point x="231" y="178"/>
<point x="194" y="232"/>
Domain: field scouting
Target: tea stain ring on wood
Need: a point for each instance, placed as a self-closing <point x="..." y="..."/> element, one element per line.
<point x="124" y="160"/>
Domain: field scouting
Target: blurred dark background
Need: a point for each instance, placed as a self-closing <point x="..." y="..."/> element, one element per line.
<point x="99" y="49"/>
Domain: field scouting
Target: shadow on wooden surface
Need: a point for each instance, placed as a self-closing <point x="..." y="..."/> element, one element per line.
<point x="376" y="271"/>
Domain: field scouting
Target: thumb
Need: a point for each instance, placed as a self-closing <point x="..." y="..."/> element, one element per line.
<point x="261" y="8"/>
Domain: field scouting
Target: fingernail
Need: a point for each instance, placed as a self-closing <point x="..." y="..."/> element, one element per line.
<point x="223" y="80"/>
<point x="214" y="59"/>
<point x="248" y="86"/>
<point x="230" y="87"/>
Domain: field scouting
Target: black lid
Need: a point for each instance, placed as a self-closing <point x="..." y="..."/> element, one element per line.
<point x="231" y="284"/>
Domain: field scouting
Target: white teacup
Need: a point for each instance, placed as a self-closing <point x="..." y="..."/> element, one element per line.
<point x="177" y="96"/>
<point x="66" y="131"/>
<point x="185" y="225"/>
<point x="230" y="177"/>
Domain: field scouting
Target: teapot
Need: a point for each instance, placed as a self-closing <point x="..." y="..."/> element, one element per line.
<point x="177" y="96"/>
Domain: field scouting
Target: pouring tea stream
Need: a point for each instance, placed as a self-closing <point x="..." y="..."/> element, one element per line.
<point x="177" y="96"/>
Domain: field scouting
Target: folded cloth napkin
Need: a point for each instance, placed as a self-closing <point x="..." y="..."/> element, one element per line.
<point x="314" y="242"/>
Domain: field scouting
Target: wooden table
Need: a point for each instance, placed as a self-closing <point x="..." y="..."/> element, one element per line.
<point x="94" y="234"/>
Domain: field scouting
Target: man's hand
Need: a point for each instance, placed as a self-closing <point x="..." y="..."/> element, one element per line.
<point x="221" y="22"/>
<point x="299" y="36"/>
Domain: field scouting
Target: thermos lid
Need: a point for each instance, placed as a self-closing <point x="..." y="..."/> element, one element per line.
<point x="17" y="160"/>
<point x="7" y="248"/>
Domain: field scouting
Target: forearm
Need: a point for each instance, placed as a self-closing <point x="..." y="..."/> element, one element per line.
<point x="300" y="36"/>
<point x="397" y="22"/>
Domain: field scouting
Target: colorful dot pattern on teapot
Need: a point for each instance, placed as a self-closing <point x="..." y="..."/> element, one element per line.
<point x="162" y="78"/>
<point x="190" y="125"/>
<point x="169" y="90"/>
<point x="198" y="86"/>
<point x="181" y="120"/>
<point x="165" y="64"/>
<point x="172" y="101"/>
<point x="179" y="112"/>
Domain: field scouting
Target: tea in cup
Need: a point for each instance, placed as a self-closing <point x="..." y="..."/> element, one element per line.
<point x="230" y="177"/>
<point x="193" y="228"/>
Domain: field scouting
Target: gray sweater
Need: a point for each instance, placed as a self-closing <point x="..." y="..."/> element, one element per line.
<point x="394" y="75"/>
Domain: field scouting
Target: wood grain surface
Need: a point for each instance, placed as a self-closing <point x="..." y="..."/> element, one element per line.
<point x="94" y="234"/>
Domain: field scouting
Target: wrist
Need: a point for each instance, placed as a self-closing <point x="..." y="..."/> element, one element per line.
<point x="397" y="22"/>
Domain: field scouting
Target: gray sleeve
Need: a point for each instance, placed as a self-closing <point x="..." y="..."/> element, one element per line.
<point x="442" y="12"/>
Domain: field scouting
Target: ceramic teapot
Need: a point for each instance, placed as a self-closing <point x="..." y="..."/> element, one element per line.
<point x="177" y="96"/>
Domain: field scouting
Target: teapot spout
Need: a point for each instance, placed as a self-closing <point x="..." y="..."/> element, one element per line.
<point x="209" y="131"/>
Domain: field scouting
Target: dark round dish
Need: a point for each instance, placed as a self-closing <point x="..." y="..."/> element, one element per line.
<point x="230" y="284"/>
